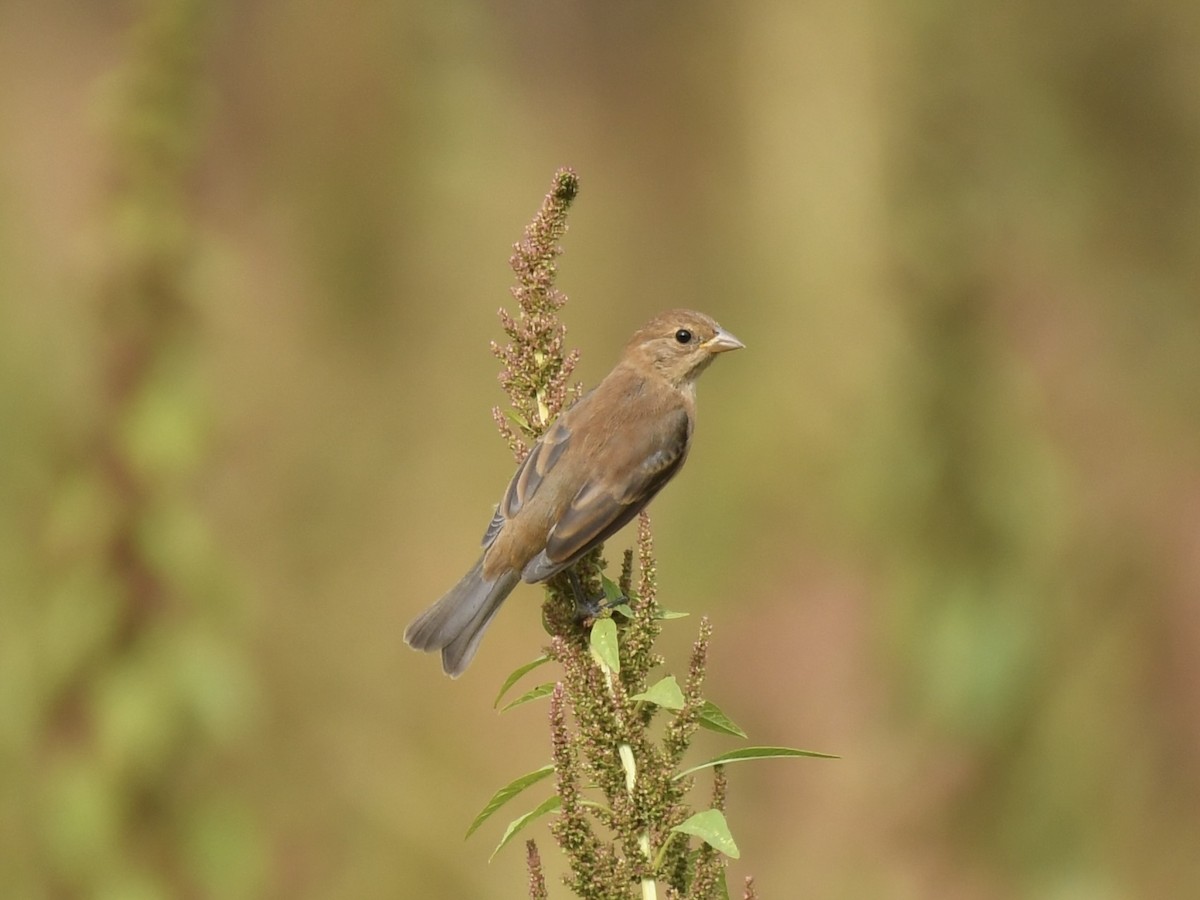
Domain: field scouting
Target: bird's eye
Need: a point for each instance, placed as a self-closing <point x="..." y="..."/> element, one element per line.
<point x="683" y="336"/>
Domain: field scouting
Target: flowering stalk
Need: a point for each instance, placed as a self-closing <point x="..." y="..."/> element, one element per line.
<point x="623" y="819"/>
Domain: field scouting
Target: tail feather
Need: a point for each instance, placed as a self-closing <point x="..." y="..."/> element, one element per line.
<point x="455" y="624"/>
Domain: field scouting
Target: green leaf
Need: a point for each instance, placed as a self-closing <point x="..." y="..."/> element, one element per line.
<point x="506" y="793"/>
<point x="612" y="590"/>
<point x="664" y="693"/>
<point x="710" y="826"/>
<point x="542" y="690"/>
<point x="713" y="719"/>
<point x="516" y="676"/>
<point x="604" y="645"/>
<point x="551" y="804"/>
<point x="755" y="753"/>
<point x="517" y="419"/>
<point x="627" y="611"/>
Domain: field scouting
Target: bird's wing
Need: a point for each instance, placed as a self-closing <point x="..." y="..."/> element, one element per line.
<point x="539" y="461"/>
<point x="607" y="502"/>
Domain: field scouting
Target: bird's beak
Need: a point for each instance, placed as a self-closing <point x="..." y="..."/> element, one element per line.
<point x="722" y="341"/>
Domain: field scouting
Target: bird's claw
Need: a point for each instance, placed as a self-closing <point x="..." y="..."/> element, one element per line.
<point x="588" y="608"/>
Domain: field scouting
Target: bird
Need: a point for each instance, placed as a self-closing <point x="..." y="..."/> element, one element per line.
<point x="595" y="468"/>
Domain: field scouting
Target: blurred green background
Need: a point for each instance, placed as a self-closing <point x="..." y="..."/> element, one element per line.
<point x="944" y="511"/>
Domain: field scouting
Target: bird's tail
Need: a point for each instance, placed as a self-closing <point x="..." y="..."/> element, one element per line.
<point x="455" y="624"/>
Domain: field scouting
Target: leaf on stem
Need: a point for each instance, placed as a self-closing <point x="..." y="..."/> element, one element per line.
<point x="665" y="693"/>
<point x="516" y="676"/>
<point x="755" y="753"/>
<point x="612" y="591"/>
<point x="605" y="647"/>
<point x="713" y="719"/>
<point x="710" y="826"/>
<point x="506" y="793"/>
<point x="515" y="826"/>
<point x="542" y="690"/>
<point x="517" y="419"/>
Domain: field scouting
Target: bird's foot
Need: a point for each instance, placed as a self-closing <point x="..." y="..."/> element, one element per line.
<point x="589" y="607"/>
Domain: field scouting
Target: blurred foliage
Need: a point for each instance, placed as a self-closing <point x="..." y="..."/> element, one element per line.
<point x="947" y="504"/>
<point x="134" y="689"/>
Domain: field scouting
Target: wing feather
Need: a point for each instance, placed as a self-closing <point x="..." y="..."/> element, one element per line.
<point x="600" y="508"/>
<point x="529" y="476"/>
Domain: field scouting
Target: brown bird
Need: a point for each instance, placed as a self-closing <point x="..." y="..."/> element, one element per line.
<point x="593" y="470"/>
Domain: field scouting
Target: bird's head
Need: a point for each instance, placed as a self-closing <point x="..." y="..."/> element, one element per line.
<point x="679" y="344"/>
